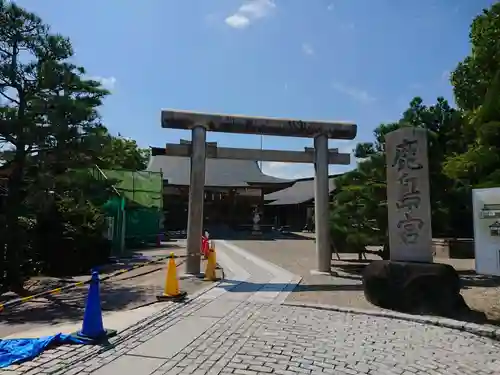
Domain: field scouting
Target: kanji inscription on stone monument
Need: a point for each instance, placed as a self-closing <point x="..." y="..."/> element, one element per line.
<point x="408" y="203"/>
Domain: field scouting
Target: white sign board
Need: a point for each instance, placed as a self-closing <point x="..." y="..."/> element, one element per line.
<point x="486" y="214"/>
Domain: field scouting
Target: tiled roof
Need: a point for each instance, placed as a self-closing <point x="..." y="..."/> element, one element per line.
<point x="300" y="192"/>
<point x="218" y="173"/>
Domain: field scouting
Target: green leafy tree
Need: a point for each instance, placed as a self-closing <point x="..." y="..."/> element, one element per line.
<point x="476" y="85"/>
<point x="47" y="110"/>
<point x="359" y="211"/>
<point x="464" y="147"/>
<point x="472" y="77"/>
<point x="359" y="214"/>
<point x="117" y="152"/>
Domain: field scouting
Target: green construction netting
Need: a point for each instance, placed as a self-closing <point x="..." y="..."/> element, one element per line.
<point x="135" y="214"/>
<point x="141" y="187"/>
<point x="143" y="224"/>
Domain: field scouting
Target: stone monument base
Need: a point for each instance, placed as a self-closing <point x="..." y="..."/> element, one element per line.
<point x="421" y="288"/>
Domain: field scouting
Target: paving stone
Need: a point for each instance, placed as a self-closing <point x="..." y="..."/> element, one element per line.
<point x="130" y="365"/>
<point x="252" y="338"/>
<point x="341" y="344"/>
<point x="164" y="346"/>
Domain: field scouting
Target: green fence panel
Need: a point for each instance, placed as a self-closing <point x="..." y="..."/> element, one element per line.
<point x="142" y="224"/>
<point x="137" y="208"/>
<point x="114" y="209"/>
<point x="141" y="187"/>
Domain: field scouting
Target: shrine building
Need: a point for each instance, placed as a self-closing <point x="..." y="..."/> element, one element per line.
<point x="233" y="190"/>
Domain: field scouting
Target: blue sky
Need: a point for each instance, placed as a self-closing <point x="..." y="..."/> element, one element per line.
<point x="350" y="60"/>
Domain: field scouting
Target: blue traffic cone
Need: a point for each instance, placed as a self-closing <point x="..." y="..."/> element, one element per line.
<point x="92" y="328"/>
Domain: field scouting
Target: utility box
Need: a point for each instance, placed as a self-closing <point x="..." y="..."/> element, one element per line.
<point x="486" y="211"/>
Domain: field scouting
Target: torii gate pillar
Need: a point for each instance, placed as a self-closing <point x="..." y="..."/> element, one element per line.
<point x="196" y="199"/>
<point x="321" y="203"/>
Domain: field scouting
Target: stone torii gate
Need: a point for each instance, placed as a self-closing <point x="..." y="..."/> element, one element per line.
<point x="321" y="156"/>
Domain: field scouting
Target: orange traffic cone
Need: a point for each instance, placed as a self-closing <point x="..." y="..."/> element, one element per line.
<point x="171" y="291"/>
<point x="211" y="265"/>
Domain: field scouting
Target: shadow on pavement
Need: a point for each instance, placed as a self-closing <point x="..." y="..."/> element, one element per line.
<point x="165" y="244"/>
<point x="71" y="305"/>
<point x="237" y="286"/>
<point x="469" y="278"/>
<point x="120" y="264"/>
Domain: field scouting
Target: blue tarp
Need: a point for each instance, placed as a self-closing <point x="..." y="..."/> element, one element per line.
<point x="15" y="351"/>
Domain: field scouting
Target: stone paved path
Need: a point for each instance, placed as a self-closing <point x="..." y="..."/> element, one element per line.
<point x="241" y="327"/>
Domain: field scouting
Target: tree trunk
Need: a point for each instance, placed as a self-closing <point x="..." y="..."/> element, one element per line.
<point x="14" y="201"/>
<point x="3" y="283"/>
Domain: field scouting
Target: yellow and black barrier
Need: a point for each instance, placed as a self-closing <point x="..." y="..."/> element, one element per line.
<point x="21" y="300"/>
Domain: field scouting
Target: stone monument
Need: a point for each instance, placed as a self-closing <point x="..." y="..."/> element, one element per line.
<point x="410" y="281"/>
<point x="408" y="202"/>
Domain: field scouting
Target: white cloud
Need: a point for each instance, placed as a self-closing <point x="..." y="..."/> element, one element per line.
<point x="357" y="94"/>
<point x="248" y="12"/>
<point x="257" y="8"/>
<point x="237" y="21"/>
<point x="107" y="82"/>
<point x="307" y="49"/>
<point x="445" y="76"/>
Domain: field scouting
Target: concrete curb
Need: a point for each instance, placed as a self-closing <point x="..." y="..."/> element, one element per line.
<point x="489" y="331"/>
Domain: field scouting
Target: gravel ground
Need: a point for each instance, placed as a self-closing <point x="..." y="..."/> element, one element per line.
<point x="482" y="293"/>
<point x="127" y="291"/>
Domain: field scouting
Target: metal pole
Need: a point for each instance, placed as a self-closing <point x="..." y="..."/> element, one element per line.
<point x="321" y="209"/>
<point x="196" y="199"/>
<point x="123" y="231"/>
